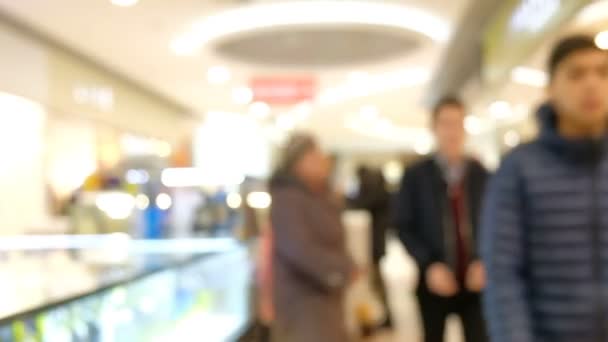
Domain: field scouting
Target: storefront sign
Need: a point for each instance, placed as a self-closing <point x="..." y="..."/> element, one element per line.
<point x="283" y="90"/>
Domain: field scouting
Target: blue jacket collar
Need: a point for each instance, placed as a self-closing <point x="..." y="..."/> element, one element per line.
<point x="575" y="150"/>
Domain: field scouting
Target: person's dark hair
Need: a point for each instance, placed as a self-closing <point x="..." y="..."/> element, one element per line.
<point x="567" y="47"/>
<point x="297" y="146"/>
<point x="446" y="101"/>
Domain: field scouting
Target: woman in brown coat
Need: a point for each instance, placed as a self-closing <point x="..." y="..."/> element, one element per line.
<point x="311" y="266"/>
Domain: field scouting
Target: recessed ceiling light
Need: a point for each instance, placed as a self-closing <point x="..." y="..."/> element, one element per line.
<point x="473" y="125"/>
<point x="501" y="109"/>
<point x="286" y="122"/>
<point x="302" y="111"/>
<point x="242" y="95"/>
<point x="260" y="110"/>
<point x="423" y="146"/>
<point x="512" y="138"/>
<point x="124" y="3"/>
<point x="601" y="40"/>
<point x="218" y="75"/>
<point x="529" y="76"/>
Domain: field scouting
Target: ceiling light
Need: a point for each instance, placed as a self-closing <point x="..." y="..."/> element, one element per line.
<point x="393" y="171"/>
<point x="137" y="177"/>
<point x="242" y="95"/>
<point x="601" y="40"/>
<point x="163" y="149"/>
<point x="260" y="110"/>
<point x="500" y="109"/>
<point x="311" y="13"/>
<point x="259" y="200"/>
<point x="473" y="125"/>
<point x="512" y="138"/>
<point x="534" y="15"/>
<point x="302" y="111"/>
<point x="594" y="12"/>
<point x="384" y="125"/>
<point x="218" y="75"/>
<point x="286" y="122"/>
<point x="142" y="202"/>
<point x="164" y="201"/>
<point x="124" y="3"/>
<point x="117" y="205"/>
<point x="234" y="200"/>
<point x="529" y="76"/>
<point x="369" y="113"/>
<point x="423" y="146"/>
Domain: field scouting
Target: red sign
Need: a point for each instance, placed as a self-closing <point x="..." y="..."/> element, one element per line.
<point x="283" y="90"/>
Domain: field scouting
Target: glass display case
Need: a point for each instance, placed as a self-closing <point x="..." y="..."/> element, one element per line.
<point x="124" y="290"/>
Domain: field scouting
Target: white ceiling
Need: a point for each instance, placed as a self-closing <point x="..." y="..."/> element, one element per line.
<point x="135" y="41"/>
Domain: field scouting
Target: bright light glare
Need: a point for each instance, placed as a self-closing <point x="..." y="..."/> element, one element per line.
<point x="218" y="75"/>
<point x="163" y="149"/>
<point x="302" y="111"/>
<point x="142" y="202"/>
<point x="259" y="200"/>
<point x="595" y="11"/>
<point x="242" y="95"/>
<point x="124" y="3"/>
<point x="358" y="76"/>
<point x="384" y="125"/>
<point x="286" y="122"/>
<point x="423" y="146"/>
<point x="137" y="177"/>
<point x="182" y="177"/>
<point x="260" y="110"/>
<point x="530" y="76"/>
<point x="234" y="200"/>
<point x="313" y="13"/>
<point x="601" y="40"/>
<point x="369" y="113"/>
<point x="377" y="84"/>
<point x="164" y="201"/>
<point x="512" y="138"/>
<point x="393" y="171"/>
<point x="501" y="109"/>
<point x="534" y="15"/>
<point x="117" y="205"/>
<point x="473" y="125"/>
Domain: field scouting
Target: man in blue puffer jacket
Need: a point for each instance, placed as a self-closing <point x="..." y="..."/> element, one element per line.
<point x="545" y="222"/>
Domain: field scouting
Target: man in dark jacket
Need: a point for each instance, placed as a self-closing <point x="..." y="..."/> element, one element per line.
<point x="545" y="224"/>
<point x="373" y="197"/>
<point x="436" y="214"/>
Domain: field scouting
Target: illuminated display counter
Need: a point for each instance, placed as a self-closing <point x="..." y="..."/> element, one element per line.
<point x="102" y="294"/>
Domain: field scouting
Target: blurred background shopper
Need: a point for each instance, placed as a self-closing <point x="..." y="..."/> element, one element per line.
<point x="311" y="265"/>
<point x="437" y="210"/>
<point x="374" y="198"/>
<point x="545" y="223"/>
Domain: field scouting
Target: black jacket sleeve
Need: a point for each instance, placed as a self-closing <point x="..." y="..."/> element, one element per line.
<point x="409" y="232"/>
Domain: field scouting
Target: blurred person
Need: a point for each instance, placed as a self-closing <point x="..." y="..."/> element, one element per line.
<point x="437" y="217"/>
<point x="264" y="278"/>
<point x="374" y="198"/>
<point x="545" y="224"/>
<point x="311" y="268"/>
